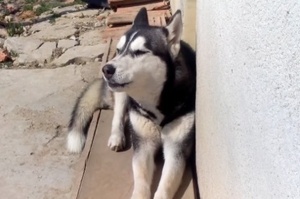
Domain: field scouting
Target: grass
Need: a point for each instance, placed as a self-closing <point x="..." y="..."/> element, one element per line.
<point x="52" y="19"/>
<point x="46" y="5"/>
<point x="14" y="29"/>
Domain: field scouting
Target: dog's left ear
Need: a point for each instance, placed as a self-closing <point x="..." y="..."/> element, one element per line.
<point x="174" y="28"/>
<point x="141" y="18"/>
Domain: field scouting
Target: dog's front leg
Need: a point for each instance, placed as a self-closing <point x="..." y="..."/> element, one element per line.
<point x="143" y="168"/>
<point x="172" y="173"/>
<point x="177" y="139"/>
<point x="145" y="140"/>
<point x="117" y="140"/>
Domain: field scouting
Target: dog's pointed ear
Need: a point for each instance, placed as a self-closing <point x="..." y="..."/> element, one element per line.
<point x="174" y="28"/>
<point x="141" y="18"/>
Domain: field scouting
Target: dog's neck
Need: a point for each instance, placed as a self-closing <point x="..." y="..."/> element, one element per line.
<point x="147" y="102"/>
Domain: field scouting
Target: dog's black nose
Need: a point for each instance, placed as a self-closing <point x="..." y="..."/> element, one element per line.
<point x="108" y="71"/>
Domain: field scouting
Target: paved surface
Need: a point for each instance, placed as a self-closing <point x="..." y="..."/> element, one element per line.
<point x="34" y="107"/>
<point x="35" y="104"/>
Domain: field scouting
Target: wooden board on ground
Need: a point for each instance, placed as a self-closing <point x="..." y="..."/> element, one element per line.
<point x="108" y="174"/>
<point x="117" y="19"/>
<point x="81" y="165"/>
<point x="162" y="5"/>
<point x="116" y="3"/>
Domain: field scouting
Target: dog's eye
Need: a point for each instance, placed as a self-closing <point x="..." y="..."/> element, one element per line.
<point x="139" y="52"/>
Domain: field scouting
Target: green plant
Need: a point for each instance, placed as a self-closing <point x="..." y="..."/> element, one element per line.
<point x="14" y="54"/>
<point x="31" y="1"/>
<point x="14" y="29"/>
<point x="28" y="7"/>
<point x="53" y="18"/>
<point x="43" y="8"/>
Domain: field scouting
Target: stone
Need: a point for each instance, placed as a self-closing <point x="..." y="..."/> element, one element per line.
<point x="3" y="56"/>
<point x="56" y="32"/>
<point x="83" y="13"/>
<point x="60" y="30"/>
<point x="8" y="18"/>
<point x="36" y="7"/>
<point x="90" y="38"/>
<point x="67" y="9"/>
<point x="35" y="107"/>
<point x="3" y="33"/>
<point x="39" y="26"/>
<point x="2" y="42"/>
<point x="80" y="54"/>
<point x="44" y="53"/>
<point x="66" y="43"/>
<point x="12" y="8"/>
<point x="22" y="45"/>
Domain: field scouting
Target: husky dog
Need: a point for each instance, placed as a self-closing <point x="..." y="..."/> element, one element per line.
<point x="153" y="78"/>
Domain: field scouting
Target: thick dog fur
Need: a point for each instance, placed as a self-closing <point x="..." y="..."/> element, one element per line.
<point x="153" y="79"/>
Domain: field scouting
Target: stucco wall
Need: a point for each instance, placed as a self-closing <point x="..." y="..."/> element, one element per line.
<point x="248" y="99"/>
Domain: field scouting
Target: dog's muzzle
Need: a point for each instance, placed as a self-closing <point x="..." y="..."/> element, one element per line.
<point x="108" y="71"/>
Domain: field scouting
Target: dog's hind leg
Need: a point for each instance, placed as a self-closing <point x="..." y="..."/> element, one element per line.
<point x="117" y="140"/>
<point x="177" y="144"/>
<point x="95" y="96"/>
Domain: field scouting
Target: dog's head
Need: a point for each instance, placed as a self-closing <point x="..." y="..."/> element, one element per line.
<point x="143" y="55"/>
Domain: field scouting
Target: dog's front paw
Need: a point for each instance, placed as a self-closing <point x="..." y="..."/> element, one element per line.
<point x="116" y="142"/>
<point x="161" y="195"/>
<point x="136" y="195"/>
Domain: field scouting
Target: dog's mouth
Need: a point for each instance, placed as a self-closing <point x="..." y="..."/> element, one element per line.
<point x="113" y="85"/>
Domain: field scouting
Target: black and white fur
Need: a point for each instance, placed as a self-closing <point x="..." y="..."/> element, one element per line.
<point x="153" y="78"/>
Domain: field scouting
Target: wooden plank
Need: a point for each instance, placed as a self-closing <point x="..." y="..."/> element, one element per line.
<point x="81" y="165"/>
<point x="114" y="33"/>
<point x="108" y="174"/>
<point x="115" y="3"/>
<point x="164" y="5"/>
<point x="116" y="19"/>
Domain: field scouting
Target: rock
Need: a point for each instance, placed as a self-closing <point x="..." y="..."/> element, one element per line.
<point x="90" y="38"/>
<point x="35" y="107"/>
<point x="12" y="8"/>
<point x="80" y="54"/>
<point x="36" y="7"/>
<point x="57" y="52"/>
<point x="84" y="13"/>
<point x="22" y="45"/>
<point x="44" y="53"/>
<point x="24" y="59"/>
<point x="46" y="14"/>
<point x="73" y="38"/>
<point x="8" y="18"/>
<point x="66" y="43"/>
<point x="2" y="42"/>
<point x="39" y="26"/>
<point x="60" y="30"/>
<point x="3" y="56"/>
<point x="67" y="9"/>
<point x="3" y="33"/>
<point x="28" y="50"/>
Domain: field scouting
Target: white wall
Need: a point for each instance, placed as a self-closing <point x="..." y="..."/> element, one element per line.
<point x="248" y="100"/>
